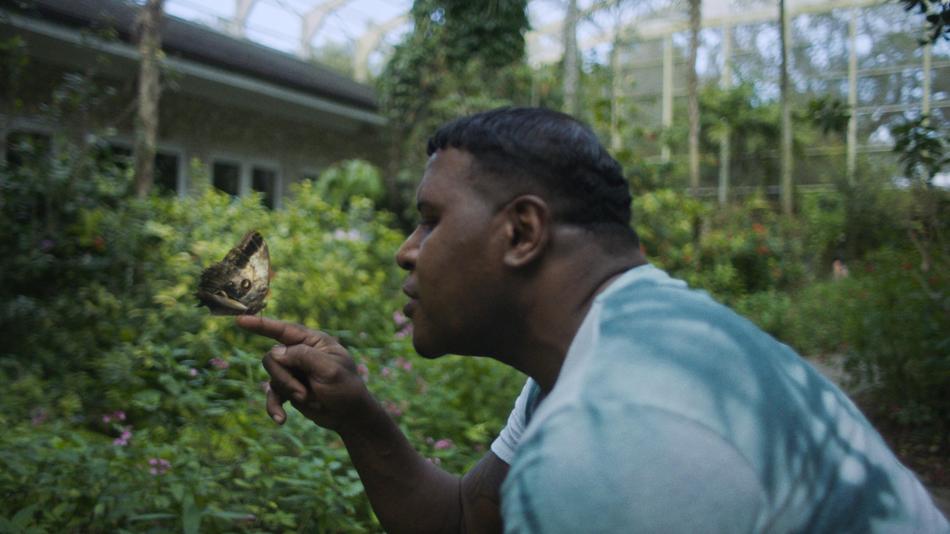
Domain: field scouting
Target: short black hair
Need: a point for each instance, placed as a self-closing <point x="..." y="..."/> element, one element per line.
<point x="544" y="151"/>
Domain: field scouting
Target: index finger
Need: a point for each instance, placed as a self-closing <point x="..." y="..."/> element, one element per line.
<point x="286" y="333"/>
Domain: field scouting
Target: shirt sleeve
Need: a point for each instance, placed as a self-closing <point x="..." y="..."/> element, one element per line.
<point x="506" y="444"/>
<point x="581" y="472"/>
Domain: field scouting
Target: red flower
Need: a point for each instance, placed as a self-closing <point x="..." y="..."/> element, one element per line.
<point x="758" y="228"/>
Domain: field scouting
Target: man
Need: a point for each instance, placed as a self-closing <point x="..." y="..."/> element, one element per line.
<point x="649" y="407"/>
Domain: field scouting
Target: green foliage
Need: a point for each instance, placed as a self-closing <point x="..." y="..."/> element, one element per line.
<point x="923" y="148"/>
<point x="937" y="15"/>
<point x="349" y="179"/>
<point x="829" y="113"/>
<point x="461" y="57"/>
<point x="127" y="408"/>
<point x="730" y="252"/>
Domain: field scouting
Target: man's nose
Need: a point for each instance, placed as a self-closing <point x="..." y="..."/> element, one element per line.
<point x="406" y="255"/>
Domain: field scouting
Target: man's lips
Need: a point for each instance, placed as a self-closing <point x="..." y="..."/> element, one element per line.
<point x="413" y="300"/>
<point x="409" y="308"/>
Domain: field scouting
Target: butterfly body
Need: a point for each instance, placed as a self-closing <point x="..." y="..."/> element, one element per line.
<point x="238" y="284"/>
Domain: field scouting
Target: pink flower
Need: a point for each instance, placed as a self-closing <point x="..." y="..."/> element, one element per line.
<point x="399" y="318"/>
<point x="363" y="371"/>
<point x="392" y="409"/>
<point x="403" y="325"/>
<point x="159" y="466"/>
<point x="106" y="418"/>
<point x="443" y="444"/>
<point x="219" y="363"/>
<point x="386" y="372"/>
<point x="404" y="364"/>
<point x="192" y="372"/>
<point x="124" y="438"/>
<point x="119" y="415"/>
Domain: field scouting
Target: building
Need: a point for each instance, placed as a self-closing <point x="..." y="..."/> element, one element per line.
<point x="257" y="119"/>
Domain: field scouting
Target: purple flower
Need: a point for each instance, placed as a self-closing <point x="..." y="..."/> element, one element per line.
<point x="363" y="371"/>
<point x="443" y="444"/>
<point x="106" y="418"/>
<point x="403" y="363"/>
<point x="159" y="466"/>
<point x="386" y="372"/>
<point x="399" y="318"/>
<point x="403" y="325"/>
<point x="192" y="372"/>
<point x="219" y="363"/>
<point x="119" y="415"/>
<point x="123" y="438"/>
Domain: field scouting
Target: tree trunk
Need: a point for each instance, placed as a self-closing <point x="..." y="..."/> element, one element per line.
<point x="146" y="128"/>
<point x="571" y="71"/>
<point x="616" y="87"/>
<point x="692" y="88"/>
<point x="785" y="163"/>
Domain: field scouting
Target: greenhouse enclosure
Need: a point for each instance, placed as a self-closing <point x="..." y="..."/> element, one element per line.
<point x="166" y="162"/>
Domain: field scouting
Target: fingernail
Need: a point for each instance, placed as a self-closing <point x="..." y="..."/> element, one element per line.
<point x="278" y="351"/>
<point x="277" y="418"/>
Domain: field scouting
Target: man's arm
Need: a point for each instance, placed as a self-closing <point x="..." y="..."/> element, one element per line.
<point x="408" y="493"/>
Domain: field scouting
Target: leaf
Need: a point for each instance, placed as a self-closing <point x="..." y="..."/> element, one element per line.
<point x="190" y="515"/>
<point x="152" y="517"/>
<point x="25" y="516"/>
<point x="231" y="516"/>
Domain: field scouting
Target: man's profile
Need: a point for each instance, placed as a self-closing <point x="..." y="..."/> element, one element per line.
<point x="648" y="406"/>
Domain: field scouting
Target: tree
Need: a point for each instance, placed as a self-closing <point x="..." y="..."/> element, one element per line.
<point x="571" y="71"/>
<point x="692" y="88"/>
<point x="937" y="14"/>
<point x="146" y="128"/>
<point x="461" y="57"/>
<point x="785" y="164"/>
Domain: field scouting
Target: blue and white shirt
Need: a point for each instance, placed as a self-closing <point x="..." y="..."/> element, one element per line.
<point x="673" y="414"/>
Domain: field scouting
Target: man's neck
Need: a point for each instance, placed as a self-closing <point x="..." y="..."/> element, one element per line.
<point x="557" y="303"/>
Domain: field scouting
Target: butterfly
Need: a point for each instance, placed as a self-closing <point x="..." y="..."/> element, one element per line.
<point x="238" y="284"/>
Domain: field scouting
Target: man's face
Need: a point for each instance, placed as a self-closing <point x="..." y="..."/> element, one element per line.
<point x="454" y="261"/>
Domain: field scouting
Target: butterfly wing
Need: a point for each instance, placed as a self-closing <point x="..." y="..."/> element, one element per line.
<point x="238" y="284"/>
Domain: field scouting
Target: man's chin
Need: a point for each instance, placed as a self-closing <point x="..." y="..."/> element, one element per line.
<point x="427" y="350"/>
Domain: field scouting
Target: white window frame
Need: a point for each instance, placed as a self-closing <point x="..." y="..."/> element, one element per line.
<point x="246" y="168"/>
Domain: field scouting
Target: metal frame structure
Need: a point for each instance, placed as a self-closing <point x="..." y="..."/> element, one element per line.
<point x="663" y="25"/>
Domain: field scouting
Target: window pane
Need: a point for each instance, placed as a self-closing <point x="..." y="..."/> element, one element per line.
<point x="227" y="177"/>
<point x="264" y="181"/>
<point x="166" y="173"/>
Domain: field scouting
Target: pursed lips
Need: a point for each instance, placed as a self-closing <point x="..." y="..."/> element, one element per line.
<point x="410" y="306"/>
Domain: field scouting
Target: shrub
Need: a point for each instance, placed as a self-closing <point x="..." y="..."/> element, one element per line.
<point x="128" y="408"/>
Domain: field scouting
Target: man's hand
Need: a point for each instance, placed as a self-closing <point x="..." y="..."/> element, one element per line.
<point x="312" y="371"/>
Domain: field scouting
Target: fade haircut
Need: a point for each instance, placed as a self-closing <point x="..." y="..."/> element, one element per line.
<point x="544" y="152"/>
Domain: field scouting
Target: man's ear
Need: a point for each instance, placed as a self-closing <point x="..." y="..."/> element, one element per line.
<point x="528" y="225"/>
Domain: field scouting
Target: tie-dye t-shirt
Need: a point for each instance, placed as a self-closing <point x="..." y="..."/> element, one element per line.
<point x="673" y="414"/>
